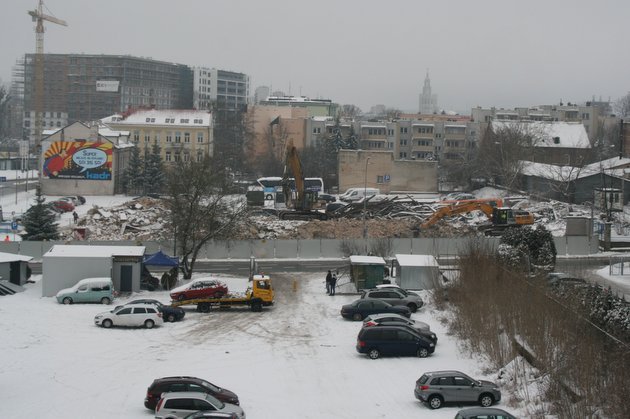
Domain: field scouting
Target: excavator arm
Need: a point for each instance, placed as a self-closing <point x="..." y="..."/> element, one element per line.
<point x="459" y="208"/>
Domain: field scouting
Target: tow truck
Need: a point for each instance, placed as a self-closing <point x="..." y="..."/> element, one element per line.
<point x="259" y="294"/>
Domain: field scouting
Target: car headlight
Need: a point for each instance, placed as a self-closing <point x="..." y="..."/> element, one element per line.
<point x="98" y="317"/>
<point x="431" y="345"/>
<point x="433" y="337"/>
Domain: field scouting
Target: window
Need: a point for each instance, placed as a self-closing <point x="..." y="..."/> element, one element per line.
<point x="124" y="311"/>
<point x="379" y="179"/>
<point x="199" y="156"/>
<point x="139" y="310"/>
<point x="136" y="136"/>
<point x="200" y="137"/>
<point x="148" y="120"/>
<point x="169" y="136"/>
<point x="187" y="137"/>
<point x="147" y="138"/>
<point x="403" y="130"/>
<point x="183" y="121"/>
<point x="167" y="156"/>
<point x="462" y="381"/>
<point x="177" y="156"/>
<point x="186" y="157"/>
<point x="317" y="130"/>
<point x="403" y="142"/>
<point x="178" y="137"/>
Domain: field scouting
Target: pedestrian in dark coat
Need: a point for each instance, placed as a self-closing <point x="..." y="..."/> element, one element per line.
<point x="328" y="280"/>
<point x="333" y="284"/>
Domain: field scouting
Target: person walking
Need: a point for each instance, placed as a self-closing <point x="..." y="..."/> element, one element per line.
<point x="333" y="284"/>
<point x="328" y="281"/>
<point x="75" y="216"/>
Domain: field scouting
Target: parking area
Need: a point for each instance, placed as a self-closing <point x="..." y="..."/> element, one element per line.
<point x="295" y="359"/>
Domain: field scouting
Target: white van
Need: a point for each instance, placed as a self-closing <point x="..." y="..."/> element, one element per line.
<point x="357" y="194"/>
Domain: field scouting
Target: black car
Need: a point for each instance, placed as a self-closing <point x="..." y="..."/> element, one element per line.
<point x="359" y="309"/>
<point x="184" y="383"/>
<point x="326" y="197"/>
<point x="169" y="313"/>
<point x="393" y="340"/>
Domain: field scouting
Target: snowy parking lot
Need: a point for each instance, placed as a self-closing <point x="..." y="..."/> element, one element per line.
<point x="296" y="359"/>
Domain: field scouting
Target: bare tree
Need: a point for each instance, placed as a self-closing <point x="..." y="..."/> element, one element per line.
<point x="622" y="106"/>
<point x="561" y="181"/>
<point x="503" y="150"/>
<point x="200" y="209"/>
<point x="4" y="111"/>
<point x="350" y="111"/>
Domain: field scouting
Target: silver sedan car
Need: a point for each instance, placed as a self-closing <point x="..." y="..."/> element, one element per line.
<point x="396" y="297"/>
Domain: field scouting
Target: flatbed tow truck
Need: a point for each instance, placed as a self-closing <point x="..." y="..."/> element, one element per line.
<point x="259" y="294"/>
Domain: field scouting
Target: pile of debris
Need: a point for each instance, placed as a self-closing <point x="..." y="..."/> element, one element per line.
<point x="139" y="219"/>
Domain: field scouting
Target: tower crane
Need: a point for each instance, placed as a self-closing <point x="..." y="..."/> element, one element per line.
<point x="38" y="100"/>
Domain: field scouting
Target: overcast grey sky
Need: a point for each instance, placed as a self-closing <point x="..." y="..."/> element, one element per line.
<point x="488" y="52"/>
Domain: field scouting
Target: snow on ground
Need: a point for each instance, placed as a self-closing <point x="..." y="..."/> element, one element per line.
<point x="296" y="359"/>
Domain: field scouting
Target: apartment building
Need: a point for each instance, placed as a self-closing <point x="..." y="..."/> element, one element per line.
<point x="314" y="107"/>
<point x="183" y="135"/>
<point x="228" y="89"/>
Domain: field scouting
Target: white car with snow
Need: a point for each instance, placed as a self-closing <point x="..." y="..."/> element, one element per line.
<point x="131" y="315"/>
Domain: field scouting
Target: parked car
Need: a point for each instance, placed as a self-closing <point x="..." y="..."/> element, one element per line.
<point x="422" y="328"/>
<point x="360" y="309"/>
<point x="395" y="296"/>
<point x="88" y="290"/>
<point x="199" y="288"/>
<point x="169" y="313"/>
<point x="212" y="415"/>
<point x="181" y="404"/>
<point x="439" y="387"/>
<point x="555" y="278"/>
<point x="326" y="197"/>
<point x="61" y="206"/>
<point x="130" y="315"/>
<point x="393" y="340"/>
<point x="483" y="413"/>
<point x="183" y="383"/>
<point x="75" y="200"/>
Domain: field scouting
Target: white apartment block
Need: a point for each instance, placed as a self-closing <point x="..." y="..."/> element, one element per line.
<point x="227" y="88"/>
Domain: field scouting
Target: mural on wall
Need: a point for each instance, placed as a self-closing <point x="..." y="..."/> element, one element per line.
<point x="80" y="159"/>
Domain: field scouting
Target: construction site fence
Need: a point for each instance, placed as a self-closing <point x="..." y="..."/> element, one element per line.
<point x="309" y="249"/>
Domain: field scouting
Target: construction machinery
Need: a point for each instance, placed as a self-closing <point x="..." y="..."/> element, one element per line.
<point x="299" y="201"/>
<point x="500" y="217"/>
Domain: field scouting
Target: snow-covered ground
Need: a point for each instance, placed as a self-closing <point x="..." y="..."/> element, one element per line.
<point x="294" y="360"/>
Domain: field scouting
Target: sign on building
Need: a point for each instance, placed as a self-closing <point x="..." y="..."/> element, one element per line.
<point x="78" y="160"/>
<point x="107" y="85"/>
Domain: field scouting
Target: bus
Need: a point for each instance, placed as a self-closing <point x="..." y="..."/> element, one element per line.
<point x="274" y="184"/>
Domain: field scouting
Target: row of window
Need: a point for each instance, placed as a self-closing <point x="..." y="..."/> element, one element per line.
<point x="169" y="137"/>
<point x="172" y="120"/>
<point x="52" y="124"/>
<point x="175" y="157"/>
<point x="27" y="114"/>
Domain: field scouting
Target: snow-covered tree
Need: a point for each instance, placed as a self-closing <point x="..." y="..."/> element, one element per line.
<point x="133" y="177"/>
<point x="154" y="175"/>
<point x="39" y="221"/>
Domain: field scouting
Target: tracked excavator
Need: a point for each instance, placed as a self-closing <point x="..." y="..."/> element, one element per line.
<point x="500" y="217"/>
<point x="299" y="202"/>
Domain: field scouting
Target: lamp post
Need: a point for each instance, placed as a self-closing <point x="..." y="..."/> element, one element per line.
<point x="367" y="161"/>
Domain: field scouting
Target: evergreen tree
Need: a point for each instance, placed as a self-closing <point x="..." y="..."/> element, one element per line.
<point x="39" y="221"/>
<point x="134" y="173"/>
<point x="154" y="176"/>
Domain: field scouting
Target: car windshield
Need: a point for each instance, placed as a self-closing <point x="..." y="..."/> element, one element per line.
<point x="215" y="402"/>
<point x="211" y="386"/>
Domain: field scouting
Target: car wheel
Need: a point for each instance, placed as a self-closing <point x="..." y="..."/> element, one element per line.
<point x="149" y="324"/>
<point x="105" y="300"/>
<point x="203" y="307"/>
<point x="357" y="316"/>
<point x="486" y="400"/>
<point x="170" y="318"/>
<point x="374" y="354"/>
<point x="67" y="300"/>
<point x="257" y="306"/>
<point x="412" y="307"/>
<point x="435" y="402"/>
<point x="180" y="297"/>
<point x="107" y="323"/>
<point x="423" y="353"/>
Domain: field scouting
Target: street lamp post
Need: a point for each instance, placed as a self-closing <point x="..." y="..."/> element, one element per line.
<point x="365" y="231"/>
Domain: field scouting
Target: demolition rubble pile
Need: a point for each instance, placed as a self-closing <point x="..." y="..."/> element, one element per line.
<point x="388" y="217"/>
<point x="140" y="219"/>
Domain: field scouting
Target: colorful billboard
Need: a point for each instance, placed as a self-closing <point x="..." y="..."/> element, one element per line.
<point x="79" y="159"/>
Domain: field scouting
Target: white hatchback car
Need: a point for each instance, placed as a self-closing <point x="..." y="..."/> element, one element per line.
<point x="181" y="404"/>
<point x="131" y="315"/>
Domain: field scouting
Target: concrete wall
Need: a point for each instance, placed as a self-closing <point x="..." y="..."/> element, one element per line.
<point x="382" y="171"/>
<point x="312" y="249"/>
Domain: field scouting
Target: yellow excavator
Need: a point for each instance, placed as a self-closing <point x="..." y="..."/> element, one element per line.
<point x="298" y="200"/>
<point x="500" y="217"/>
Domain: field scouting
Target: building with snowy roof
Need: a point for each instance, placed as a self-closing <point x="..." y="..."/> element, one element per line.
<point x="84" y="160"/>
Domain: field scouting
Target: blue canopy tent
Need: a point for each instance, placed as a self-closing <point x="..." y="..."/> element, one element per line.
<point x="150" y="282"/>
<point x="160" y="259"/>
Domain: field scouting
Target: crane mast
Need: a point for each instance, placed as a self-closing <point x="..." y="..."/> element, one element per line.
<point x="37" y="102"/>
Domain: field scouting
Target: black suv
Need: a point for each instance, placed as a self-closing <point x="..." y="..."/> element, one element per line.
<point x="393" y="340"/>
<point x="172" y="384"/>
<point x="169" y="313"/>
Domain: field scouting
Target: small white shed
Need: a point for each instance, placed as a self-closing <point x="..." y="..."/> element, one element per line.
<point x="65" y="265"/>
<point x="416" y="272"/>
